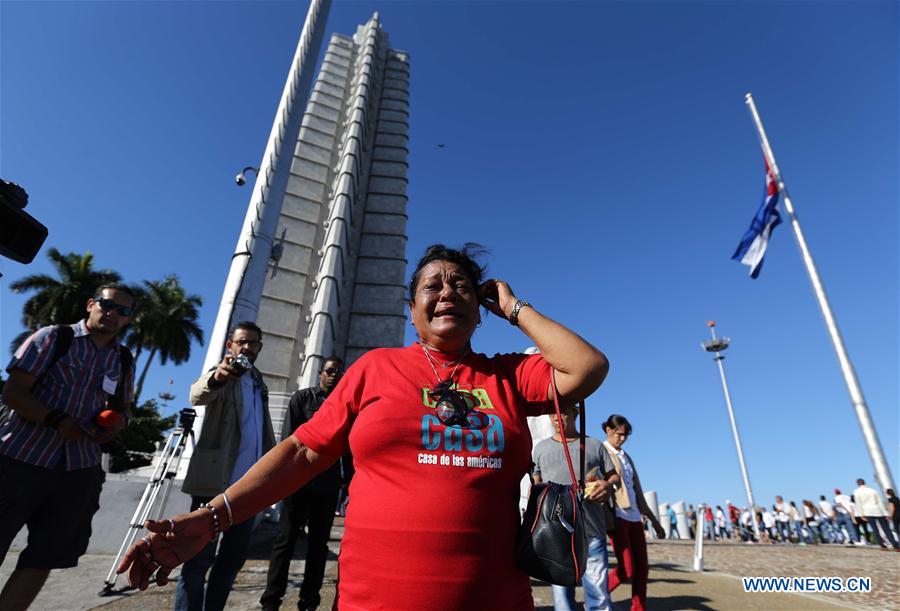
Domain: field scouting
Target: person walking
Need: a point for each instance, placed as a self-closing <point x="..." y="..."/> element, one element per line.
<point x="894" y="510"/>
<point x="673" y="523"/>
<point x="312" y="505"/>
<point x="550" y="465"/>
<point x="734" y="519"/>
<point x="827" y="518"/>
<point x="770" y="523"/>
<point x="782" y="519"/>
<point x="60" y="379"/>
<point x="236" y="432"/>
<point x="844" y="516"/>
<point x="874" y="513"/>
<point x="709" y="523"/>
<point x="721" y="522"/>
<point x="797" y="525"/>
<point x="746" y="527"/>
<point x="814" y="521"/>
<point x="628" y="538"/>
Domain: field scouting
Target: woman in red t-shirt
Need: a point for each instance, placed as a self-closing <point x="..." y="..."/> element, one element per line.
<point x="440" y="443"/>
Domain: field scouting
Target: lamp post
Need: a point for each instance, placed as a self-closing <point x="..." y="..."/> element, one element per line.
<point x="717" y="345"/>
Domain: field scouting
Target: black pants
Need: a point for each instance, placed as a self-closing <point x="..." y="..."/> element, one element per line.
<point x="314" y="507"/>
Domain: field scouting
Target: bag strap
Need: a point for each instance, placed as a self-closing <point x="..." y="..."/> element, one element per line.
<point x="577" y="483"/>
<point x="581" y="434"/>
<point x="65" y="335"/>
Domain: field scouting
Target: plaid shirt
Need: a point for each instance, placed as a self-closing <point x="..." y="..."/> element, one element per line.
<point x="74" y="385"/>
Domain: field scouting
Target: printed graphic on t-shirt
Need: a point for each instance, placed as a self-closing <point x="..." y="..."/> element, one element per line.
<point x="473" y="447"/>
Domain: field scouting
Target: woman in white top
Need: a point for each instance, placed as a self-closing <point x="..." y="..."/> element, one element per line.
<point x="628" y="536"/>
<point x="721" y="522"/>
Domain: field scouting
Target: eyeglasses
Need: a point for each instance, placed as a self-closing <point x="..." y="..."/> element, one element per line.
<point x="332" y="371"/>
<point x="107" y="305"/>
<point x="250" y="343"/>
<point x="454" y="408"/>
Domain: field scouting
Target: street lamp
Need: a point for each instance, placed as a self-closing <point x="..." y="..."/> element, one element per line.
<point x="240" y="179"/>
<point x="167" y="396"/>
<point x="717" y="345"/>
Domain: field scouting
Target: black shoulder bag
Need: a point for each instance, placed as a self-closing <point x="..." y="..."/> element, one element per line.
<point x="552" y="542"/>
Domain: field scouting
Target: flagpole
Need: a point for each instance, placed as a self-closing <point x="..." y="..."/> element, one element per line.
<point x="876" y="454"/>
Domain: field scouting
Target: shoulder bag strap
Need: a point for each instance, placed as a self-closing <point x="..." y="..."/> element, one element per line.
<point x="581" y="442"/>
<point x="576" y="483"/>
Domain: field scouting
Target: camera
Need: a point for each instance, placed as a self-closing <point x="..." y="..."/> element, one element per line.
<point x="186" y="418"/>
<point x="240" y="180"/>
<point x="240" y="364"/>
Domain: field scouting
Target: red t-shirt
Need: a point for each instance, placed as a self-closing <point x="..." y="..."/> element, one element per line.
<point x="434" y="510"/>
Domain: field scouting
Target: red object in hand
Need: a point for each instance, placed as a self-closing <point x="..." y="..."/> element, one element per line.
<point x="108" y="418"/>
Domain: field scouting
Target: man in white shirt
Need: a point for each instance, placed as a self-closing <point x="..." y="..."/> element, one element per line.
<point x="873" y="511"/>
<point x="769" y="523"/>
<point x="844" y="514"/>
<point x="746" y="526"/>
<point x="827" y="514"/>
<point x="783" y="519"/>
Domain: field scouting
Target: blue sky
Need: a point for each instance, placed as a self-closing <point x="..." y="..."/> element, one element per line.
<point x="601" y="150"/>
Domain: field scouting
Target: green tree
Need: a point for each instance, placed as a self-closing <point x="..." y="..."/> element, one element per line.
<point x="59" y="300"/>
<point x="165" y="323"/>
<point x="138" y="441"/>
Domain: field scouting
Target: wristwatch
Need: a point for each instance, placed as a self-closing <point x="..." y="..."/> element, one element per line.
<point x="514" y="315"/>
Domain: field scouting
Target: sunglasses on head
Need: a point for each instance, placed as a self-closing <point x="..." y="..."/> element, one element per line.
<point x="108" y="305"/>
<point x="454" y="408"/>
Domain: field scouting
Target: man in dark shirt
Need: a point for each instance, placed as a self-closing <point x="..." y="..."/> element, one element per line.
<point x="312" y="505"/>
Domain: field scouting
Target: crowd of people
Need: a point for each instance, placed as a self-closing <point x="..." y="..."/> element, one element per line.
<point x="425" y="423"/>
<point x="862" y="517"/>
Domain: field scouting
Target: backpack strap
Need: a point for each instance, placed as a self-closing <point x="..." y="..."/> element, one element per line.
<point x="65" y="334"/>
<point x="61" y="344"/>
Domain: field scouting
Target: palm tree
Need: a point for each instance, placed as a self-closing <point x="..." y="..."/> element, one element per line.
<point x="165" y="323"/>
<point x="60" y="300"/>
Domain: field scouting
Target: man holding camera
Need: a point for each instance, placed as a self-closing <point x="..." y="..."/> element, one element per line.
<point x="61" y="382"/>
<point x="236" y="432"/>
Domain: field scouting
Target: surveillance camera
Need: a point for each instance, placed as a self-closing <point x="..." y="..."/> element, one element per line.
<point x="240" y="180"/>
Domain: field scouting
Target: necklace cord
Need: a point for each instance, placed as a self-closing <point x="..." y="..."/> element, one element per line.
<point x="431" y="361"/>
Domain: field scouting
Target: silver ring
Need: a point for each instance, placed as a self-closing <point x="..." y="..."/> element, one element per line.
<point x="171" y="525"/>
<point x="146" y="540"/>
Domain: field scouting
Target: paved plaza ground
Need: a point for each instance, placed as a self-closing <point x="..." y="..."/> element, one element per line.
<point x="673" y="585"/>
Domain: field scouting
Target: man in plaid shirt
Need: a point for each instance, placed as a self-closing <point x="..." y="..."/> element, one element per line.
<point x="50" y="476"/>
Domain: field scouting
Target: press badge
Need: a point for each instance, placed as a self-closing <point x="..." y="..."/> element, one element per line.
<point x="109" y="384"/>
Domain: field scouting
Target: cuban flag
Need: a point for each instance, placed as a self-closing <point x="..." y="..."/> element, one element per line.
<point x="753" y="245"/>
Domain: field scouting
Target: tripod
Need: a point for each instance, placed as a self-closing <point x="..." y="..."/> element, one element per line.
<point x="161" y="481"/>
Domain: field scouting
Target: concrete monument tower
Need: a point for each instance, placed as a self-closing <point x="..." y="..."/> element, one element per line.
<point x="335" y="284"/>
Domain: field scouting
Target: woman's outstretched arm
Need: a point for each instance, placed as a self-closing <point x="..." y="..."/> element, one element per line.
<point x="282" y="470"/>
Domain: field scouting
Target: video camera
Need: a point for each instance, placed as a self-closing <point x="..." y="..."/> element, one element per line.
<point x="21" y="235"/>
